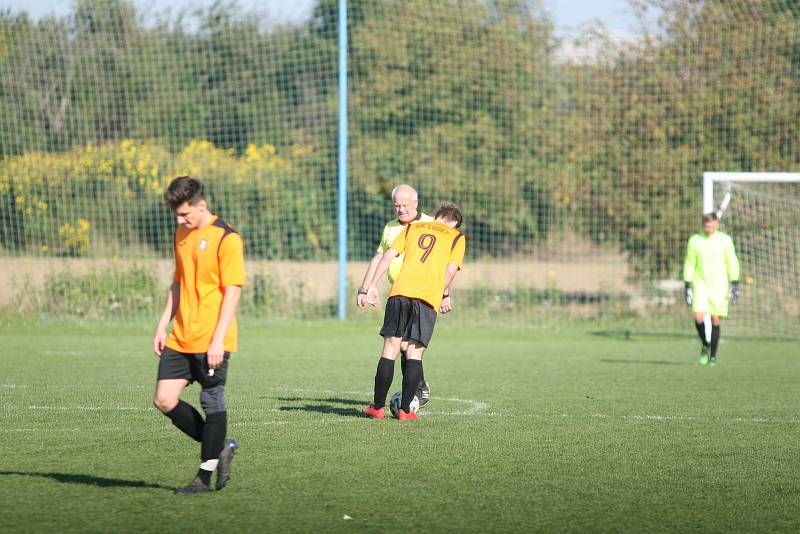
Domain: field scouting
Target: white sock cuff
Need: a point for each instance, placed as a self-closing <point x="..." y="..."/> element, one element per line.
<point x="209" y="465"/>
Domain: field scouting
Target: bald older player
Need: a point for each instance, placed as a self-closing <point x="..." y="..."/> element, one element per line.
<point x="406" y="201"/>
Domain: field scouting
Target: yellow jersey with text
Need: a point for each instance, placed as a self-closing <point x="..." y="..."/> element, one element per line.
<point x="428" y="247"/>
<point x="206" y="261"/>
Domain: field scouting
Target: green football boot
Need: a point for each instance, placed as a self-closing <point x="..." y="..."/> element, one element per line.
<point x="704" y="355"/>
<point x="712" y="361"/>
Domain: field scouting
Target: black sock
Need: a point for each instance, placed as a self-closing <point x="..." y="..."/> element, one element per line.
<point x="421" y="374"/>
<point x="189" y="420"/>
<point x="701" y="330"/>
<point x="410" y="383"/>
<point x="383" y="381"/>
<point x="214" y="436"/>
<point x="714" y="340"/>
<point x="205" y="476"/>
<point x="403" y="359"/>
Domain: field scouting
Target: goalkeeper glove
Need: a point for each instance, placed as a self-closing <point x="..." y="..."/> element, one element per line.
<point x="734" y="292"/>
<point x="687" y="293"/>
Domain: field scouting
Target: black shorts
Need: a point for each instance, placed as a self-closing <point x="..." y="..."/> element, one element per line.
<point x="192" y="367"/>
<point x="409" y="319"/>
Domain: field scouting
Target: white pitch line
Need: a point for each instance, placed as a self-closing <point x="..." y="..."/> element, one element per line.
<point x="91" y="408"/>
<point x="328" y="421"/>
<point x="50" y="430"/>
<point x="660" y="418"/>
<point x="476" y="407"/>
<point x="71" y="386"/>
<point x="321" y="391"/>
<point x="434" y="413"/>
<point x="89" y="352"/>
<point x="260" y="423"/>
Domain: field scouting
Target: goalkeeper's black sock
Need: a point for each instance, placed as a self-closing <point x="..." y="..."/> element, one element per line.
<point x="421" y="374"/>
<point x="701" y="331"/>
<point x="189" y="420"/>
<point x="410" y="382"/>
<point x="714" y="340"/>
<point x="383" y="381"/>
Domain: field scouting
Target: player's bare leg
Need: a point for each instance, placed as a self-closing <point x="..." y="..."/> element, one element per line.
<point x="168" y="393"/>
<point x="182" y="414"/>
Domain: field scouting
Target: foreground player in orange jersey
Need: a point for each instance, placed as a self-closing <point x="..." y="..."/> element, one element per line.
<point x="205" y="290"/>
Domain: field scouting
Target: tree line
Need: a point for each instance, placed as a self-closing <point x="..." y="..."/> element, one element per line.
<point x="472" y="101"/>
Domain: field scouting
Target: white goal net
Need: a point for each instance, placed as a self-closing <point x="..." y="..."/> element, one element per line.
<point x="761" y="212"/>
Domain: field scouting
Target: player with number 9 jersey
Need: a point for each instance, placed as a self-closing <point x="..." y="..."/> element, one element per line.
<point x="428" y="247"/>
<point x="433" y="254"/>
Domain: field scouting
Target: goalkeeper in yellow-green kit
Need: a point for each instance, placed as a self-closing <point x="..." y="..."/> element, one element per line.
<point x="711" y="277"/>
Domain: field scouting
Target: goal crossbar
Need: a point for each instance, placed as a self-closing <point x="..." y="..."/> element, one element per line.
<point x="711" y="178"/>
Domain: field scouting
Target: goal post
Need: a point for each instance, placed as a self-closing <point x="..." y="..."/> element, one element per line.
<point x="710" y="179"/>
<point x="761" y="212"/>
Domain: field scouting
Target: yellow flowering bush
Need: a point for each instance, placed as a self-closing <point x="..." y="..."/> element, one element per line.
<point x="49" y="202"/>
<point x="75" y="237"/>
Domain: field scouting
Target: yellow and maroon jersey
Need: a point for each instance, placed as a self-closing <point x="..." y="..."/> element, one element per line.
<point x="206" y="261"/>
<point x="429" y="248"/>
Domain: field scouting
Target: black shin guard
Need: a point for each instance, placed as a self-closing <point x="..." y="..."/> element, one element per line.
<point x="410" y="383"/>
<point x="403" y="359"/>
<point x="714" y="340"/>
<point x="701" y="331"/>
<point x="383" y="381"/>
<point x="214" y="436"/>
<point x="189" y="420"/>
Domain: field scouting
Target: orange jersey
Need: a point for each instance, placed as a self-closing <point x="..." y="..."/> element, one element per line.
<point x="206" y="261"/>
<point x="429" y="248"/>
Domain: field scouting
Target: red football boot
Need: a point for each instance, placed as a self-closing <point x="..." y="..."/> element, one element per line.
<point x="372" y="412"/>
<point x="403" y="416"/>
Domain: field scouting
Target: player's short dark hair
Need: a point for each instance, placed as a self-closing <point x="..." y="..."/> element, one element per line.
<point x="184" y="189"/>
<point x="708" y="217"/>
<point x="449" y="212"/>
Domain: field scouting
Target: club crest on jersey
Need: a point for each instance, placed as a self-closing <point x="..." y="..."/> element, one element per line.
<point x="203" y="244"/>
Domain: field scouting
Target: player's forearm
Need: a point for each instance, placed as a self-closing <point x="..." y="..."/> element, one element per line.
<point x="373" y="266"/>
<point x="383" y="266"/>
<point x="733" y="268"/>
<point x="688" y="264"/>
<point x="449" y="275"/>
<point x="227" y="311"/>
<point x="688" y="271"/>
<point x="170" y="307"/>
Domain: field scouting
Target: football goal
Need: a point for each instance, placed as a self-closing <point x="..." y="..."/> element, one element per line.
<point x="761" y="212"/>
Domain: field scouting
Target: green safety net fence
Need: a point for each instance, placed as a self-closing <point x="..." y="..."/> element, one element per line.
<point x="576" y="157"/>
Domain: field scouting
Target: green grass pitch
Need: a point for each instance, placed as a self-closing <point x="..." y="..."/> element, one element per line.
<point x="526" y="432"/>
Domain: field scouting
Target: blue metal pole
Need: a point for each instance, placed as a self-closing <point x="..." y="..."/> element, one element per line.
<point x="342" y="158"/>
